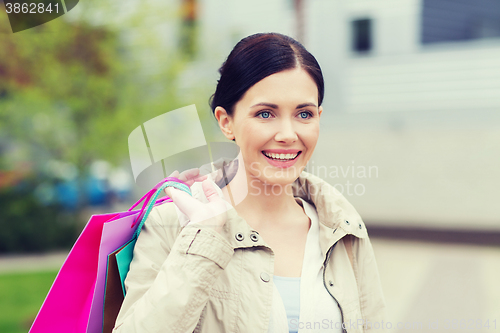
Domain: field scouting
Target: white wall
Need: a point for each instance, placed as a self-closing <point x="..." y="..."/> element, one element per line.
<point x="426" y="116"/>
<point x="465" y="76"/>
<point x="224" y="22"/>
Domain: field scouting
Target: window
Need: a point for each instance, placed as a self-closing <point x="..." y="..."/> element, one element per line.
<point x="459" y="20"/>
<point x="362" y="35"/>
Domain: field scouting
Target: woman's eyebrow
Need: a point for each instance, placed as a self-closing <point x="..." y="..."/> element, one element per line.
<point x="270" y="105"/>
<point x="274" y="106"/>
<point x="300" y="106"/>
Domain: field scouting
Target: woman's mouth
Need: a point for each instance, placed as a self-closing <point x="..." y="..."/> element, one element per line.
<point x="281" y="159"/>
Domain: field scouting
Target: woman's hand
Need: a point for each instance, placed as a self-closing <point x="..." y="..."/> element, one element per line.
<point x="212" y="213"/>
<point x="189" y="176"/>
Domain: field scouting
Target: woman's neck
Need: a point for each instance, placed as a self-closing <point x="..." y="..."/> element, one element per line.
<point x="258" y="202"/>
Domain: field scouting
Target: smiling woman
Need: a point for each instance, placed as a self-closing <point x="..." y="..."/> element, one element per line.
<point x="289" y="254"/>
<point x="281" y="113"/>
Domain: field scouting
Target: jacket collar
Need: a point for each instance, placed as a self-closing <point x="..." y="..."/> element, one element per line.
<point x="337" y="217"/>
<point x="334" y="211"/>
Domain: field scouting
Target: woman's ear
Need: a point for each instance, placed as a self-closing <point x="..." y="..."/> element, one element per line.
<point x="320" y="110"/>
<point x="225" y="122"/>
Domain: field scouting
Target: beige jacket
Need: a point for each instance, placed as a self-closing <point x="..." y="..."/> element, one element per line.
<point x="194" y="279"/>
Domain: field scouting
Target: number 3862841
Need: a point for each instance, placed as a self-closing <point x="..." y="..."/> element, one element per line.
<point x="31" y="8"/>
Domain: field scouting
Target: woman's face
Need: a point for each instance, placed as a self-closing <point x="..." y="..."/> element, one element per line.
<point x="276" y="126"/>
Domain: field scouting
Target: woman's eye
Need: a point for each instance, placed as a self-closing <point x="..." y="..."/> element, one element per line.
<point x="305" y="115"/>
<point x="265" y="114"/>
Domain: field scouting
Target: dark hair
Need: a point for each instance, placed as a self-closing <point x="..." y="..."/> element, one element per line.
<point x="256" y="57"/>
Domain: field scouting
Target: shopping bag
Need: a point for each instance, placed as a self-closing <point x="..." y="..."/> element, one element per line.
<point x="113" y="295"/>
<point x="114" y="234"/>
<point x="118" y="234"/>
<point x="75" y="301"/>
<point x="118" y="263"/>
<point x="67" y="305"/>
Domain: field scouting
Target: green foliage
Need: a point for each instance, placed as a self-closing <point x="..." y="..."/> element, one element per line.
<point x="29" y="226"/>
<point x="58" y="86"/>
<point x="72" y="91"/>
<point x="21" y="295"/>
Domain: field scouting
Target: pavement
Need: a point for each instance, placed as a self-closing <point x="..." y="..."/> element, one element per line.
<point x="32" y="262"/>
<point x="432" y="287"/>
<point x="429" y="287"/>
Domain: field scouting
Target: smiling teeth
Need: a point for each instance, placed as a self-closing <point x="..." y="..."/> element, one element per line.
<point x="283" y="157"/>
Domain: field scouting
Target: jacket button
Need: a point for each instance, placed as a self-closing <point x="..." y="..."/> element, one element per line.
<point x="239" y="236"/>
<point x="347" y="222"/>
<point x="264" y="277"/>
<point x="254" y="237"/>
<point x="330" y="283"/>
<point x="360" y="227"/>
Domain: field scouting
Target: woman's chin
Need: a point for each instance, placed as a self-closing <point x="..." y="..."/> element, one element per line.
<point x="261" y="174"/>
<point x="276" y="181"/>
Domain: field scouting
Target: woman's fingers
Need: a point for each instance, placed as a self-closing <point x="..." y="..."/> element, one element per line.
<point x="183" y="200"/>
<point x="175" y="174"/>
<point x="189" y="177"/>
<point x="187" y="174"/>
<point x="209" y="191"/>
<point x="194" y="180"/>
<point x="212" y="213"/>
<point x="201" y="178"/>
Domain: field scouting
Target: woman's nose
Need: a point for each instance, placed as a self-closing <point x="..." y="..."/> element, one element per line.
<point x="286" y="132"/>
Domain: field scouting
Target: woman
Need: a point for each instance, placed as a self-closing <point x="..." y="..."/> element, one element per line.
<point x="289" y="253"/>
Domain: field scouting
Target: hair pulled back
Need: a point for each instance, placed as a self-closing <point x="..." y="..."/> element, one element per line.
<point x="254" y="58"/>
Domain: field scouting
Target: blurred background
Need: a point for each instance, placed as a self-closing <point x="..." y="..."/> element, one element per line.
<point x="410" y="133"/>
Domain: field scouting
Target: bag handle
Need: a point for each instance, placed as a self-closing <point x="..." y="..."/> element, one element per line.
<point x="150" y="192"/>
<point x="150" y="206"/>
<point x="155" y="192"/>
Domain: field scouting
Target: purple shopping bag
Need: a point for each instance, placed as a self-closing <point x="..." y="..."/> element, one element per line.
<point x="115" y="233"/>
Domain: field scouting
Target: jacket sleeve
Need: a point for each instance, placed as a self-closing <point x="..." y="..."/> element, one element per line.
<point x="170" y="276"/>
<point x="372" y="301"/>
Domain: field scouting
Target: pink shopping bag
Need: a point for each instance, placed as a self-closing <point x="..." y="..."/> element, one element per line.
<point x="75" y="301"/>
<point x="68" y="303"/>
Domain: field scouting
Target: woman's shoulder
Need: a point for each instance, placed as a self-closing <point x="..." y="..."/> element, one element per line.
<point x="331" y="205"/>
<point x="164" y="221"/>
<point x="165" y="214"/>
